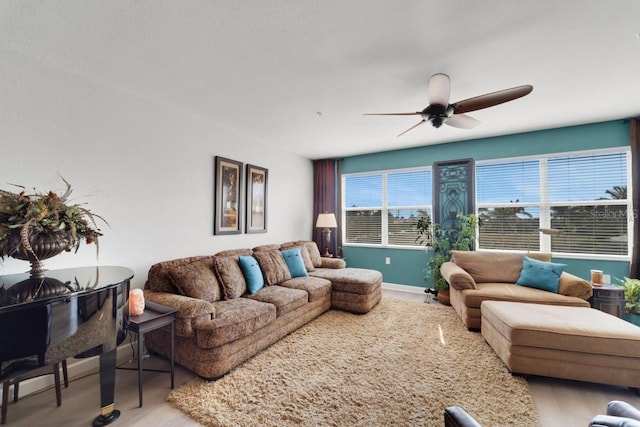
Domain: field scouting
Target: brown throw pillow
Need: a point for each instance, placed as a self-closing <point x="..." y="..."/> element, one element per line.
<point x="314" y="253"/>
<point x="196" y="280"/>
<point x="230" y="277"/>
<point x="273" y="266"/>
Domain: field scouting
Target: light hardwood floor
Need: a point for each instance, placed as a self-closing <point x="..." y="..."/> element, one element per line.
<point x="560" y="403"/>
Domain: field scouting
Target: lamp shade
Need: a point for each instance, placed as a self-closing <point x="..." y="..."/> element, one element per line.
<point x="326" y="220"/>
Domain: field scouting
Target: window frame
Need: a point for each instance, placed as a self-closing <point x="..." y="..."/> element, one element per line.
<point x="384" y="208"/>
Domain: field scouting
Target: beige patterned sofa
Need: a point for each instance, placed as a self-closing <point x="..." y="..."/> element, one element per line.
<point x="477" y="276"/>
<point x="223" y="320"/>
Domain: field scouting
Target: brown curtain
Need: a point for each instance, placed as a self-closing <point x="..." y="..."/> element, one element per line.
<point x="326" y="181"/>
<point x="635" y="196"/>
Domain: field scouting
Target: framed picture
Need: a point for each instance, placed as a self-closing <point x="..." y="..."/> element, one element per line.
<point x="228" y="202"/>
<point x="256" y="221"/>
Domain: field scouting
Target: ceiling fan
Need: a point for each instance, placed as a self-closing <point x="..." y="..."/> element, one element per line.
<point x="439" y="110"/>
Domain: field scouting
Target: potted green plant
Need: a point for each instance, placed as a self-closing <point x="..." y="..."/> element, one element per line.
<point x="631" y="300"/>
<point x="38" y="226"/>
<point x="440" y="241"/>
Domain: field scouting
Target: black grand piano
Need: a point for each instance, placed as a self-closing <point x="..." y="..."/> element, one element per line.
<point x="74" y="312"/>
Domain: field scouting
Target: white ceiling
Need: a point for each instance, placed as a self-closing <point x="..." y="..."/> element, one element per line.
<point x="300" y="73"/>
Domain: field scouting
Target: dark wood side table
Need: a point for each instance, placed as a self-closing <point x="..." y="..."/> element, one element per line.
<point x="155" y="316"/>
<point x="608" y="298"/>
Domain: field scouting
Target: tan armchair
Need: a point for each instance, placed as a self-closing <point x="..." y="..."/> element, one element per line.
<point x="477" y="276"/>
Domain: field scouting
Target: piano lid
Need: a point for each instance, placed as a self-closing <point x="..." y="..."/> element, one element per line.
<point x="19" y="289"/>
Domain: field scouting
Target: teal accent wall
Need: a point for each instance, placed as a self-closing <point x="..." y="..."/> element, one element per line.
<point x="407" y="266"/>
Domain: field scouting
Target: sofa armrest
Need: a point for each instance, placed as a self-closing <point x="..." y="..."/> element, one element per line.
<point x="573" y="286"/>
<point x="456" y="276"/>
<point x="332" y="263"/>
<point x="190" y="310"/>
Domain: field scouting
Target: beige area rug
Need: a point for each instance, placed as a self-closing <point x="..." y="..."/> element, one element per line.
<point x="400" y="364"/>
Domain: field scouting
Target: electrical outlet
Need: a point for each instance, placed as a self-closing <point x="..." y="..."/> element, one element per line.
<point x="387" y="260"/>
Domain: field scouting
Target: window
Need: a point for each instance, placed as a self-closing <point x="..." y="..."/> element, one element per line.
<point x="582" y="196"/>
<point x="382" y="208"/>
<point x="508" y="199"/>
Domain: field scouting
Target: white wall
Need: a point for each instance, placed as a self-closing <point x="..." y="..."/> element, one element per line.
<point x="146" y="168"/>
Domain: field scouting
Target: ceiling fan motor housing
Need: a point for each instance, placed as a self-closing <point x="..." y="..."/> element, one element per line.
<point x="437" y="114"/>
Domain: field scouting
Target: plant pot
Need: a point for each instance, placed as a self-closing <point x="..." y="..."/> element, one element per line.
<point x="443" y="297"/>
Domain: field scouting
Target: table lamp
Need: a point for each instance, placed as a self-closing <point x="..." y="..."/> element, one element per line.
<point x="326" y="221"/>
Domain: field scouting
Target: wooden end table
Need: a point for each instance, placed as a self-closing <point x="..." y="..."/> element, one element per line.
<point x="155" y="316"/>
<point x="608" y="298"/>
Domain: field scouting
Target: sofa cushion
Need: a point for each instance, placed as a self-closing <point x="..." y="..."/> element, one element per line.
<point x="197" y="280"/>
<point x="273" y="266"/>
<point x="252" y="273"/>
<point x="158" y="277"/>
<point x="540" y="275"/>
<point x="472" y="298"/>
<point x="234" y="319"/>
<point x="285" y="299"/>
<point x="314" y="252"/>
<point x="233" y="252"/>
<point x="493" y="266"/>
<point x="306" y="257"/>
<point x="293" y="258"/>
<point x="230" y="276"/>
<point x="316" y="287"/>
<point x="352" y="280"/>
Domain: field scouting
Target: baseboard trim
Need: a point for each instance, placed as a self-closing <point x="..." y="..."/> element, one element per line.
<point x="403" y="288"/>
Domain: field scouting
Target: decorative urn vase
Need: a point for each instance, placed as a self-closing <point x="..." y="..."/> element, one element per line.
<point x="39" y="225"/>
<point x="43" y="246"/>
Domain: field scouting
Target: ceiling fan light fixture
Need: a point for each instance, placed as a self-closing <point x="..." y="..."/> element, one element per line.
<point x="437" y="121"/>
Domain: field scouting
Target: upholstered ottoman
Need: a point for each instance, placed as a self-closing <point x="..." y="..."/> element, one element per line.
<point x="574" y="343"/>
<point x="353" y="289"/>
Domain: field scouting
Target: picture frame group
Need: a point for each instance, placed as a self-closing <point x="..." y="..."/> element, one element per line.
<point x="233" y="185"/>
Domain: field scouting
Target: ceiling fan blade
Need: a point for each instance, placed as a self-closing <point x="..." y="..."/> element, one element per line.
<point x="462" y="121"/>
<point x="413" y="127"/>
<point x="393" y="114"/>
<point x="439" y="89"/>
<point x="491" y="99"/>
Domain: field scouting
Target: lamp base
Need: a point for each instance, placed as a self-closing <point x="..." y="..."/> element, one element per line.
<point x="326" y="236"/>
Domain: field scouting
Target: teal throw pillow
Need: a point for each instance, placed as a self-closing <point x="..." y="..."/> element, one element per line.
<point x="293" y="258"/>
<point x="540" y="275"/>
<point x="252" y="273"/>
